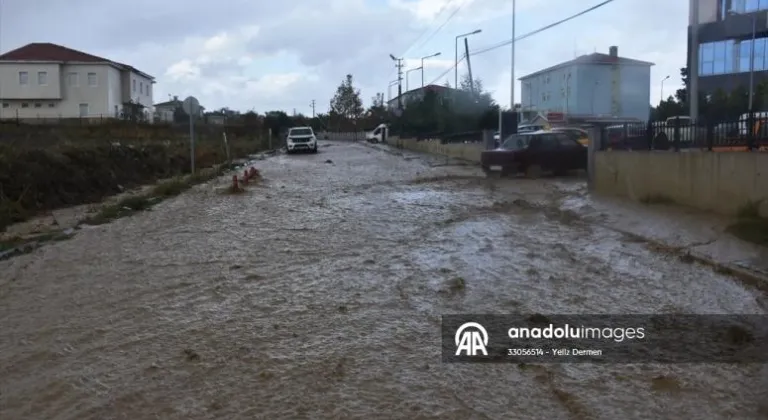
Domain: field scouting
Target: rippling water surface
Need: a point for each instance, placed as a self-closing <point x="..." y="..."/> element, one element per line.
<point x="318" y="294"/>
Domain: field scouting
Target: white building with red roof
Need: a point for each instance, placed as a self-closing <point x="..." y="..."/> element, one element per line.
<point x="43" y="80"/>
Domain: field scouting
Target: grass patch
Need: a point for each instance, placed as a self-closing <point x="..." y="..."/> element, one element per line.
<point x="170" y="188"/>
<point x="122" y="208"/>
<point x="11" y="247"/>
<point x="656" y="199"/>
<point x="10" y="243"/>
<point x="142" y="202"/>
<point x="749" y="226"/>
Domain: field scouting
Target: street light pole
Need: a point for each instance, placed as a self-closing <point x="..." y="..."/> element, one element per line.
<point x="422" y="66"/>
<point x="662" y="89"/>
<point x="407" y="74"/>
<point x="752" y="63"/>
<point x="456" y="64"/>
<point x="389" y="89"/>
<point x="512" y="70"/>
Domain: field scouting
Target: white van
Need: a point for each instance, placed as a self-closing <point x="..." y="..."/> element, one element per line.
<point x="378" y="135"/>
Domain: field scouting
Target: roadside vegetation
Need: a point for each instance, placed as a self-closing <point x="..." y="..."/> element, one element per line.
<point x="34" y="180"/>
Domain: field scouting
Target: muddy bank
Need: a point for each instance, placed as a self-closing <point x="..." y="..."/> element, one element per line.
<point x="35" y="180"/>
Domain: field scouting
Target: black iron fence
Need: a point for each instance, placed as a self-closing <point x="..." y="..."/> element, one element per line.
<point x="749" y="133"/>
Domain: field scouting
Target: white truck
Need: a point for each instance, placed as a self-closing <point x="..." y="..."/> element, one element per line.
<point x="378" y="134"/>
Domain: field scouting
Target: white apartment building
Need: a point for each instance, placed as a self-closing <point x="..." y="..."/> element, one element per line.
<point x="44" y="80"/>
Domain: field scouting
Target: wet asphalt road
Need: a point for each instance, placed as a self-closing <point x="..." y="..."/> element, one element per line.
<point x="318" y="294"/>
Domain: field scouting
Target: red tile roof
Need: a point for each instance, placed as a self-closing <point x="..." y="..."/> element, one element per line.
<point x="46" y="51"/>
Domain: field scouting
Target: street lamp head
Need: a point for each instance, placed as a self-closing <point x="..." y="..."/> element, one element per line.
<point x="436" y="54"/>
<point x="477" y="31"/>
<point x="666" y="78"/>
<point x="392" y="57"/>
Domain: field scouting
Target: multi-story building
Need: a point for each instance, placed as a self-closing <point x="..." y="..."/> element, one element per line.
<point x="725" y="32"/>
<point x="43" y="80"/>
<point x="590" y="85"/>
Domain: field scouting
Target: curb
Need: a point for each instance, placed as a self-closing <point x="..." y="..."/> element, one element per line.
<point x="748" y="277"/>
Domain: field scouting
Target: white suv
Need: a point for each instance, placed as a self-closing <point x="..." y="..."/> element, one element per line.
<point x="301" y="139"/>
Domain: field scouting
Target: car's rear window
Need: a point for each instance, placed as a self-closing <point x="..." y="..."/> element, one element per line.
<point x="300" y="132"/>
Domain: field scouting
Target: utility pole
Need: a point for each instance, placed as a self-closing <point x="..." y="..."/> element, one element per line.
<point x="512" y="67"/>
<point x="693" y="63"/>
<point x="469" y="66"/>
<point x="312" y="104"/>
<point x="399" y="66"/>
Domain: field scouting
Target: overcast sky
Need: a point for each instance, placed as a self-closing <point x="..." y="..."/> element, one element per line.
<point x="265" y="55"/>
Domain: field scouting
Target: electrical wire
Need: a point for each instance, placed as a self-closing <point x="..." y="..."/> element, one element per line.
<point x="457" y="10"/>
<point x="428" y="27"/>
<point x="521" y="37"/>
<point x="445" y="7"/>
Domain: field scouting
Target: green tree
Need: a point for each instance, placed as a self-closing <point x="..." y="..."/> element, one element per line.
<point x="377" y="112"/>
<point x="682" y="94"/>
<point x="347" y="102"/>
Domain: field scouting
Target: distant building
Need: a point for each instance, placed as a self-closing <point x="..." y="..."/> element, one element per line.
<point x="418" y="94"/>
<point x="590" y="85"/>
<point x="463" y="101"/>
<point x="725" y="43"/>
<point x="164" y="111"/>
<point x="44" y="80"/>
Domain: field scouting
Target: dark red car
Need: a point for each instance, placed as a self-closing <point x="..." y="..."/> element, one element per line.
<point x="535" y="153"/>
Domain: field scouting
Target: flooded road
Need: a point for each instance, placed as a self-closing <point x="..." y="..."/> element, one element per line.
<point x="318" y="295"/>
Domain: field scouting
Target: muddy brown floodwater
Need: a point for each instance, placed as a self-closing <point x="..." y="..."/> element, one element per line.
<point x="318" y="295"/>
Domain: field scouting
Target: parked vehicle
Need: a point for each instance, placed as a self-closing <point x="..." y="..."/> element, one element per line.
<point x="530" y="128"/>
<point x="378" y="134"/>
<point x="301" y="139"/>
<point x="689" y="131"/>
<point x="577" y="134"/>
<point x="535" y="153"/>
<point x="630" y="136"/>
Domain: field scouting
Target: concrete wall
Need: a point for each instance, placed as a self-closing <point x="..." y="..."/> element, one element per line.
<point x="719" y="182"/>
<point x="469" y="151"/>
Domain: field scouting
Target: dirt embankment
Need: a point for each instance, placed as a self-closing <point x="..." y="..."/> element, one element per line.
<point x="37" y="179"/>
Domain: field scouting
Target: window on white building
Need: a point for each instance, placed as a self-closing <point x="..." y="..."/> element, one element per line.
<point x="83" y="110"/>
<point x="51" y="105"/>
<point x="141" y="88"/>
<point x="25" y="105"/>
<point x="149" y="91"/>
<point x="6" y="105"/>
<point x="134" y="85"/>
<point x="23" y="78"/>
<point x="38" y="105"/>
<point x="42" y="78"/>
<point x="73" y="80"/>
<point x="93" y="81"/>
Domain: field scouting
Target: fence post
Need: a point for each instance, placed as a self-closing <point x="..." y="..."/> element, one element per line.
<point x="595" y="144"/>
<point x="751" y="134"/>
<point x="649" y="134"/>
<point x="625" y="136"/>
<point x="676" y="135"/>
<point x="488" y="140"/>
<point x="710" y="135"/>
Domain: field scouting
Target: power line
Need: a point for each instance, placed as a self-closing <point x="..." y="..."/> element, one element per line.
<point x="442" y="25"/>
<point x="429" y="26"/>
<point x="521" y="37"/>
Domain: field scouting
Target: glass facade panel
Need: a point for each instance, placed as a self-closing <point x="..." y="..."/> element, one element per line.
<point x="725" y="57"/>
